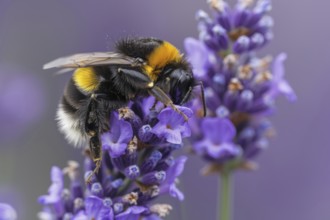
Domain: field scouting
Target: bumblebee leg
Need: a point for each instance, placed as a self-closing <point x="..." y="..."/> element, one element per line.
<point x="92" y="128"/>
<point x="161" y="96"/>
<point x="96" y="154"/>
<point x="91" y="122"/>
<point x="135" y="77"/>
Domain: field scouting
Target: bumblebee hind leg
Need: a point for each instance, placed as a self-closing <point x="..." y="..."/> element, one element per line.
<point x="93" y="128"/>
<point x="95" y="147"/>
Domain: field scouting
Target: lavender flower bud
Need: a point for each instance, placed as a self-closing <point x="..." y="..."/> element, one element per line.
<point x="118" y="207"/>
<point x="132" y="172"/>
<point x="97" y="190"/>
<point x="241" y="45"/>
<point x="149" y="164"/>
<point x="145" y="133"/>
<point x="155" y="177"/>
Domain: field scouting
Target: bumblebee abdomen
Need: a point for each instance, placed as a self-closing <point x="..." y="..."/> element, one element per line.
<point x="69" y="124"/>
<point x="67" y="114"/>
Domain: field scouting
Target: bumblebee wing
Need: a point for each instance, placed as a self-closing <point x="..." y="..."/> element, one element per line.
<point x="92" y="59"/>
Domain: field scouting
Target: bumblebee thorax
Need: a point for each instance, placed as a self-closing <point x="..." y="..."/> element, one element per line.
<point x="162" y="55"/>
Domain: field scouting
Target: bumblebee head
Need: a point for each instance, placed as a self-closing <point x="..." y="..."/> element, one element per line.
<point x="178" y="82"/>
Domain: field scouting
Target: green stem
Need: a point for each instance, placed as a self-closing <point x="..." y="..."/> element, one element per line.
<point x="225" y="195"/>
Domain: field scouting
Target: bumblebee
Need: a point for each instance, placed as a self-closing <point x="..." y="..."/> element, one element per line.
<point x="106" y="81"/>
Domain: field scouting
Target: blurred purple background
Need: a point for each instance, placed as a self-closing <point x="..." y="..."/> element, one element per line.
<point x="294" y="179"/>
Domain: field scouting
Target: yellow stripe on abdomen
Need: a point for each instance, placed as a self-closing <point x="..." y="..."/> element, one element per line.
<point x="86" y="79"/>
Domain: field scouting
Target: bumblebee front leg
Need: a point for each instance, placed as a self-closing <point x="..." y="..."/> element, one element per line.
<point x="161" y="96"/>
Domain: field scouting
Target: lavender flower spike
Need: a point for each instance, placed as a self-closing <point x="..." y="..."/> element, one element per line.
<point x="240" y="87"/>
<point x="137" y="167"/>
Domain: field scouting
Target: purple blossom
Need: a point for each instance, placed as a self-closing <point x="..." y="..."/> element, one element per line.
<point x="7" y="212"/>
<point x="132" y="213"/>
<point x="116" y="140"/>
<point x="172" y="126"/>
<point x="198" y="54"/>
<point x="172" y="173"/>
<point x="54" y="196"/>
<point x="243" y="27"/>
<point x="218" y="142"/>
<point x="240" y="88"/>
<point x="137" y="167"/>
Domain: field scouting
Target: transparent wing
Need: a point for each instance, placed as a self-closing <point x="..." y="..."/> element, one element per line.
<point x="93" y="59"/>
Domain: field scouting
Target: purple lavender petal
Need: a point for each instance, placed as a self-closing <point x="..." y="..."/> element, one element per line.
<point x="93" y="206"/>
<point x="81" y="215"/>
<point x="116" y="140"/>
<point x="171" y="118"/>
<point x="280" y="85"/>
<point x="7" y="212"/>
<point x="175" y="192"/>
<point x="172" y="136"/>
<point x="199" y="56"/>
<point x="132" y="213"/>
<point x="171" y="174"/>
<point x="106" y="212"/>
<point x="218" y="130"/>
<point x="172" y="126"/>
<point x="176" y="169"/>
<point x="55" y="190"/>
<point x="223" y="151"/>
<point x="218" y="137"/>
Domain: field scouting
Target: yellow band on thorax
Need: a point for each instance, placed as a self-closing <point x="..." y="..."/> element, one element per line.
<point x="160" y="57"/>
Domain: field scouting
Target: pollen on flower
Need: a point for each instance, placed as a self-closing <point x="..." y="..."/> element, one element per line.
<point x="161" y="210"/>
<point x="125" y="113"/>
<point x="235" y="34"/>
<point x="230" y="61"/>
<point x="72" y="170"/>
<point x="132" y="145"/>
<point x="245" y="72"/>
<point x="218" y="5"/>
<point x="263" y="77"/>
<point x="235" y="85"/>
<point x="131" y="198"/>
